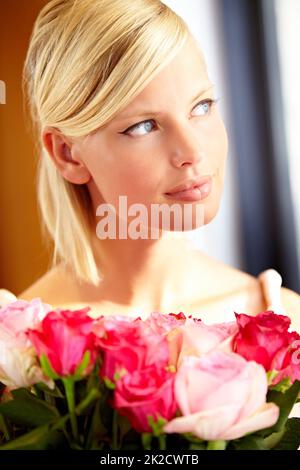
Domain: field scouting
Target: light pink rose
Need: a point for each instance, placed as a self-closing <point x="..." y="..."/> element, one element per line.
<point x="161" y="323"/>
<point x="197" y="338"/>
<point x="170" y="326"/>
<point x="221" y="397"/>
<point x="17" y="316"/>
<point x="18" y="361"/>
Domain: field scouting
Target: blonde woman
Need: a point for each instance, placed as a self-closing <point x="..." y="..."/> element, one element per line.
<point x="123" y="106"/>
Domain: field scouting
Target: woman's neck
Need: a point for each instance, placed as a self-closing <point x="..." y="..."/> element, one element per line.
<point x="147" y="274"/>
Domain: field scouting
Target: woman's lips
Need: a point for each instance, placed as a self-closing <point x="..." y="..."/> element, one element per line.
<point x="196" y="193"/>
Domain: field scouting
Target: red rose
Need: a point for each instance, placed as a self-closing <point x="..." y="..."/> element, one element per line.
<point x="265" y="339"/>
<point x="144" y="393"/>
<point x="64" y="336"/>
<point x="127" y="346"/>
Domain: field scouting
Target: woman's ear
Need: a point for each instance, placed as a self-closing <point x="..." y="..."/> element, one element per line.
<point x="65" y="154"/>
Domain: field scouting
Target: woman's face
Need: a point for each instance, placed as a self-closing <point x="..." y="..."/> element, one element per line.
<point x="168" y="134"/>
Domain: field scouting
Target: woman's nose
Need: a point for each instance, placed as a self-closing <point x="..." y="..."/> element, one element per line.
<point x="185" y="146"/>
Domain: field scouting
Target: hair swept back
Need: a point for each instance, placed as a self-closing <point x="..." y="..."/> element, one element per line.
<point x="86" y="60"/>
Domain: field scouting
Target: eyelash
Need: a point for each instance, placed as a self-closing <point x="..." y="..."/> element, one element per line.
<point x="209" y="101"/>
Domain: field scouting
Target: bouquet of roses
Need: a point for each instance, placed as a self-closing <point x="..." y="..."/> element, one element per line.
<point x="69" y="381"/>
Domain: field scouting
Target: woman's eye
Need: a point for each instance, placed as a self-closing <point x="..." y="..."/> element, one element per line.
<point x="141" y="128"/>
<point x="145" y="127"/>
<point x="205" y="106"/>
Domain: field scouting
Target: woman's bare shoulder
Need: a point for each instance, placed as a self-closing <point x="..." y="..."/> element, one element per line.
<point x="226" y="280"/>
<point x="251" y="285"/>
<point x="52" y="287"/>
<point x="225" y="285"/>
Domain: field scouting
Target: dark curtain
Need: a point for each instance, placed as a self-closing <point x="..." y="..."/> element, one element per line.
<point x="267" y="215"/>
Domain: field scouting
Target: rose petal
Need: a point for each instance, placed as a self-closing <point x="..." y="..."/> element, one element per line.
<point x="207" y="425"/>
<point x="267" y="416"/>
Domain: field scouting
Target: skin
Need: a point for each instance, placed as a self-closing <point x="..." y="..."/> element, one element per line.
<point x="185" y="139"/>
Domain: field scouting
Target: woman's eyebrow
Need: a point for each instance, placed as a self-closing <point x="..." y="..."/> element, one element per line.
<point x="144" y="112"/>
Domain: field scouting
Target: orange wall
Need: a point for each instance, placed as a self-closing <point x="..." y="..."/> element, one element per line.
<point x="23" y="255"/>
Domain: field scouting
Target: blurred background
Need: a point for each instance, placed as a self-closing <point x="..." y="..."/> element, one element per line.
<point x="252" y="52"/>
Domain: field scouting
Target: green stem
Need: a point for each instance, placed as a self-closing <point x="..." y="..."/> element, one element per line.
<point x="146" y="440"/>
<point x="162" y="441"/>
<point x="272" y="440"/>
<point x="216" y="445"/>
<point x="69" y="388"/>
<point x="90" y="433"/>
<point x="60" y="423"/>
<point x="85" y="403"/>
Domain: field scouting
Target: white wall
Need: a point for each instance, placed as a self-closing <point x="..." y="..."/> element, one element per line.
<point x="221" y="238"/>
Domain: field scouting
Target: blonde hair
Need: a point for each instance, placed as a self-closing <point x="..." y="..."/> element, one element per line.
<point x="87" y="59"/>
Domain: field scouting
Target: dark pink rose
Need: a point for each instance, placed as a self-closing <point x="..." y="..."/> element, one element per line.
<point x="64" y="336"/>
<point x="265" y="339"/>
<point x="127" y="346"/>
<point x="143" y="393"/>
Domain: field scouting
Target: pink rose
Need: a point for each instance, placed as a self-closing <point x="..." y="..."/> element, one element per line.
<point x="64" y="336"/>
<point x="170" y="326"/>
<point x="161" y="323"/>
<point x="18" y="362"/>
<point x="265" y="339"/>
<point x="143" y="393"/>
<point x="127" y="346"/>
<point x="196" y="339"/>
<point x="221" y="397"/>
<point x="17" y="316"/>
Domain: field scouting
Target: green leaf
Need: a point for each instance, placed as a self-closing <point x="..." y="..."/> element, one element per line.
<point x="285" y="401"/>
<point x="109" y="384"/>
<point x="47" y="368"/>
<point x="48" y="436"/>
<point x="119" y="374"/>
<point x="157" y="426"/>
<point x="271" y="375"/>
<point x="5" y="428"/>
<point x="38" y="439"/>
<point x="41" y="386"/>
<point x="291" y="437"/>
<point x="83" y="365"/>
<point x="282" y="386"/>
<point x="27" y="410"/>
<point x="251" y="442"/>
